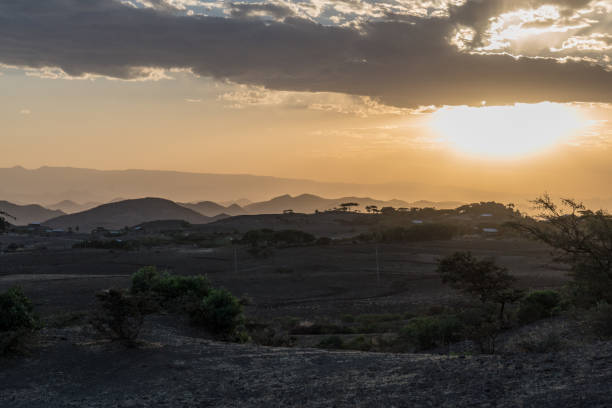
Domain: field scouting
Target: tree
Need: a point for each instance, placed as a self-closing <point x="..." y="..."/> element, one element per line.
<point x="490" y="284"/>
<point x="581" y="238"/>
<point x="482" y="279"/>
<point x="347" y="206"/>
<point x="372" y="209"/>
<point x="3" y="222"/>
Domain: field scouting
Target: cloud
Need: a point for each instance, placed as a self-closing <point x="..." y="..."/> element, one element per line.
<point x="254" y="10"/>
<point x="243" y="96"/>
<point x="401" y="63"/>
<point x="24" y="112"/>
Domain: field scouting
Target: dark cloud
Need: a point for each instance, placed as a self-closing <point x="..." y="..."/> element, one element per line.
<point x="404" y="64"/>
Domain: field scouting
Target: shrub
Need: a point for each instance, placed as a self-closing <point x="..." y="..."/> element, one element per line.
<point x="601" y="320"/>
<point x="482" y="326"/>
<point x="331" y="342"/>
<point x="538" y="305"/>
<point x="170" y="290"/>
<point x="426" y="333"/>
<point x="120" y="315"/>
<point x="361" y="343"/>
<point x="17" y="321"/>
<point x="220" y="312"/>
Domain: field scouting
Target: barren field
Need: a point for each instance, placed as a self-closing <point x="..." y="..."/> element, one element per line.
<point x="305" y="282"/>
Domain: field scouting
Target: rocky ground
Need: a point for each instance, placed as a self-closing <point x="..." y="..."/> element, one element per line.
<point x="172" y="369"/>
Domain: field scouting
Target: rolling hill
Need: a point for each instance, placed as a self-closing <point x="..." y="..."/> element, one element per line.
<point x="27" y="214"/>
<point x="127" y="213"/>
<point x="211" y="209"/>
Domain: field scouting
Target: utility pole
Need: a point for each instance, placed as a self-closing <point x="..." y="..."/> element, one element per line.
<point x="235" y="260"/>
<point x="377" y="267"/>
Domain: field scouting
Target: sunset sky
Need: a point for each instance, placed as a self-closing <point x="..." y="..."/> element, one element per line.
<point x="491" y="94"/>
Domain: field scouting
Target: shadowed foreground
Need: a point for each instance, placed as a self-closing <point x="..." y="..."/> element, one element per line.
<point x="199" y="373"/>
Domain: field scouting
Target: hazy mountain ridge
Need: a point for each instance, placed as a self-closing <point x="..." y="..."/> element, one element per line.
<point x="212" y="209"/>
<point x="49" y="185"/>
<point x="127" y="213"/>
<point x="308" y="203"/>
<point x="27" y="214"/>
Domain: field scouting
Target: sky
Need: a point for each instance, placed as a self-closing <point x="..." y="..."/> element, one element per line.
<point x="489" y="94"/>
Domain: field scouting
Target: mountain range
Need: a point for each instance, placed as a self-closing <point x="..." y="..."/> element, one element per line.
<point x="118" y="214"/>
<point x="52" y="185"/>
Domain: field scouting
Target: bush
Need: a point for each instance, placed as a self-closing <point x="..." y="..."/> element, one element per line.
<point x="170" y="290"/>
<point x="426" y="333"/>
<point x="17" y="321"/>
<point x="482" y="326"/>
<point x="120" y="315"/>
<point x="220" y="312"/>
<point x="331" y="342"/>
<point x="537" y="305"/>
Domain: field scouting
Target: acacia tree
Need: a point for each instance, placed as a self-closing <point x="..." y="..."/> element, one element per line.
<point x="3" y="222"/>
<point x="579" y="237"/>
<point x="483" y="278"/>
<point x="487" y="282"/>
<point x="348" y="206"/>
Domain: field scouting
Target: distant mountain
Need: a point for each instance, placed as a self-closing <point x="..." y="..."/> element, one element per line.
<point x="48" y="185"/>
<point x="211" y="209"/>
<point x="69" y="206"/>
<point x="439" y="205"/>
<point x="27" y="214"/>
<point x="127" y="213"/>
<point x="308" y="203"/>
<point x="240" y="202"/>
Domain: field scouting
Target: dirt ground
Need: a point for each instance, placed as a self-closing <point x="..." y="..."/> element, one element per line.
<point x="307" y="282"/>
<point x="177" y="367"/>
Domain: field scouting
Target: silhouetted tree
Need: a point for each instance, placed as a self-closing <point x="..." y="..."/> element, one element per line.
<point x="347" y="206"/>
<point x="372" y="209"/>
<point x="3" y="222"/>
<point x="582" y="238"/>
<point x="482" y="279"/>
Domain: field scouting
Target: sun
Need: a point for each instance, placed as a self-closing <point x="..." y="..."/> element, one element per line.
<point x="506" y="131"/>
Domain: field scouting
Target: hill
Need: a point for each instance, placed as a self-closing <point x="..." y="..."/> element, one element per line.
<point x="69" y="206"/>
<point x="27" y="214"/>
<point x="127" y="213"/>
<point x="308" y="203"/>
<point x="211" y="209"/>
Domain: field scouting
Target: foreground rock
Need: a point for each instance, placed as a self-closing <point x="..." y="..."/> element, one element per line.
<point x="188" y="372"/>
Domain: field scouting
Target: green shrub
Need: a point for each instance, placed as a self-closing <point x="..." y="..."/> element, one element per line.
<point x="331" y="342"/>
<point x="537" y="305"/>
<point x="220" y="312"/>
<point x="120" y="315"/>
<point x="426" y="333"/>
<point x="17" y="321"/>
<point x="481" y="325"/>
<point x="360" y="343"/>
<point x="145" y="279"/>
<point x="170" y="290"/>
